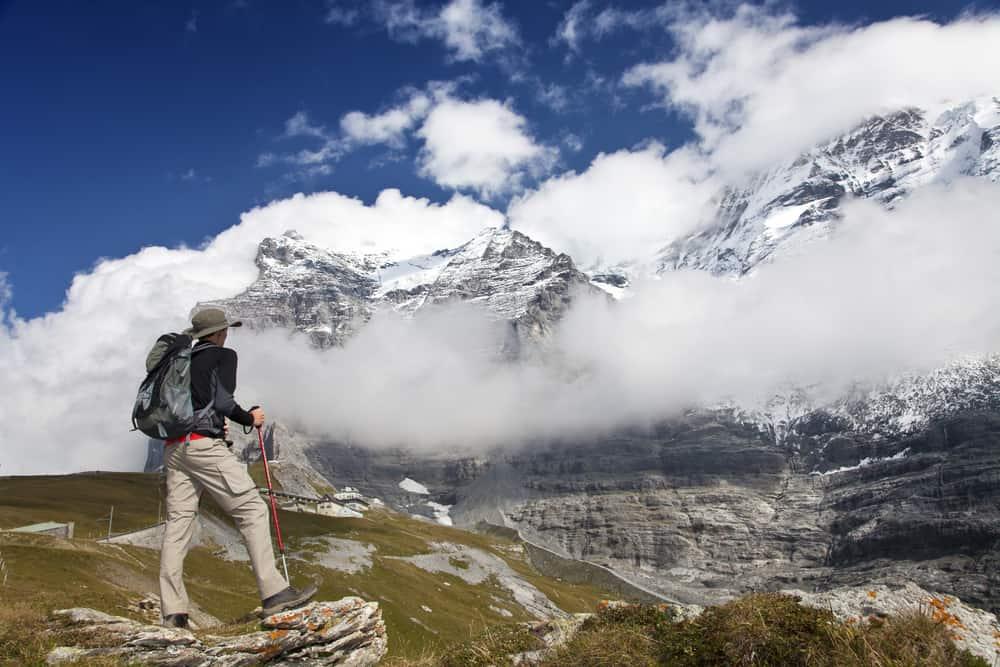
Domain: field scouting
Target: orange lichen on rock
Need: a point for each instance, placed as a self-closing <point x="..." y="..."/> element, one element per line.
<point x="940" y="613"/>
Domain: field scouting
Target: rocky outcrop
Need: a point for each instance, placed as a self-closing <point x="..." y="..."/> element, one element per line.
<point x="971" y="629"/>
<point x="349" y="631"/>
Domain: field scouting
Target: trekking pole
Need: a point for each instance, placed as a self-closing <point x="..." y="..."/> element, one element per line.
<point x="274" y="504"/>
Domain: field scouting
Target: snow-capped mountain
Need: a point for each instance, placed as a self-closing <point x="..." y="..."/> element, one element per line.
<point x="328" y="295"/>
<point x="899" y="407"/>
<point x="514" y="277"/>
<point x="883" y="159"/>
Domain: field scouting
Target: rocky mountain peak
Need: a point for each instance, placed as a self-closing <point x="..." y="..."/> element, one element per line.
<point x="306" y="288"/>
<point x="883" y="159"/>
<point x="328" y="294"/>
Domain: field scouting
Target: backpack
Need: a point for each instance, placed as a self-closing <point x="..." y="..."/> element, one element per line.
<point x="163" y="408"/>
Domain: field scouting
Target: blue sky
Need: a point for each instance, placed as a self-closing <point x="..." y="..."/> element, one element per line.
<point x="129" y="124"/>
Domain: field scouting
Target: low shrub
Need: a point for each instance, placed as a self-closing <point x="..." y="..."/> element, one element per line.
<point x="491" y="647"/>
<point x="760" y="630"/>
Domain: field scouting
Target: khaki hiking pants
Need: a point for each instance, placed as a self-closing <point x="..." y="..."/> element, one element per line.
<point x="202" y="464"/>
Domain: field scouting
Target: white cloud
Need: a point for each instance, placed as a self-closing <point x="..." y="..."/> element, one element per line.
<point x="344" y="16"/>
<point x="573" y="25"/>
<point x="481" y="145"/>
<point x="573" y="142"/>
<point x="191" y="25"/>
<point x="388" y="127"/>
<point x="762" y="88"/>
<point x="77" y="370"/>
<point x="313" y="160"/>
<point x="357" y="128"/>
<point x="468" y="29"/>
<point x="471" y="29"/>
<point x="5" y="291"/>
<point x="300" y="126"/>
<point x="581" y="22"/>
<point x="625" y="205"/>
<point x="554" y="96"/>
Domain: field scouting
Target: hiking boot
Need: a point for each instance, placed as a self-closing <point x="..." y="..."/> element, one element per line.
<point x="176" y="621"/>
<point x="290" y="598"/>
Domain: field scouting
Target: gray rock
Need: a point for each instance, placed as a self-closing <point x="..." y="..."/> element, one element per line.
<point x="972" y="629"/>
<point x="349" y="631"/>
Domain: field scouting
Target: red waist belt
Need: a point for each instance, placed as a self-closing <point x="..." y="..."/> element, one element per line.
<point x="192" y="436"/>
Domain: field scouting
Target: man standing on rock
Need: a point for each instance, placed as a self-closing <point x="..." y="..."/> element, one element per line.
<point x="202" y="461"/>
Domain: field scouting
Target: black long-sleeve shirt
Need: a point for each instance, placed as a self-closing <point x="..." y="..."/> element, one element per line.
<point x="211" y="364"/>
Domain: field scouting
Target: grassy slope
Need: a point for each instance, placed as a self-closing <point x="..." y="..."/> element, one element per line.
<point x="48" y="573"/>
<point x="86" y="499"/>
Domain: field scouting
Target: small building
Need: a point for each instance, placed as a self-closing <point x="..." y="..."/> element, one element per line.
<point x="348" y="493"/>
<point x="330" y="508"/>
<point x="64" y="530"/>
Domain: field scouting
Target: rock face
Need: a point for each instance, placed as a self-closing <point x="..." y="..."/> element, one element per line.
<point x="302" y="287"/>
<point x="329" y="295"/>
<point x="515" y="278"/>
<point x="349" y="631"/>
<point x="882" y="159"/>
<point x="709" y="506"/>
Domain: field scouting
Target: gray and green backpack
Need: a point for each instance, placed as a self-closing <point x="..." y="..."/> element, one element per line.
<point x="163" y="408"/>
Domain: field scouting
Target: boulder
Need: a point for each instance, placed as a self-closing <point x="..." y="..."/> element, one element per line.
<point x="349" y="631"/>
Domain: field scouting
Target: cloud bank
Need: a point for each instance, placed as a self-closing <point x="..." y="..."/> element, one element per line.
<point x="890" y="291"/>
<point x="879" y="298"/>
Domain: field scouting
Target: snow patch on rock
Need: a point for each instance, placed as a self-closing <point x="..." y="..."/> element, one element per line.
<point x="413" y="486"/>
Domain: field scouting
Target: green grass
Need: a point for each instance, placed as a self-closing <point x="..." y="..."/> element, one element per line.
<point x="758" y="630"/>
<point x="256" y="471"/>
<point x="48" y="573"/>
<point x="85" y="499"/>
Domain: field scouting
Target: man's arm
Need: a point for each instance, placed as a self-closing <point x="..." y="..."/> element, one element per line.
<point x="225" y="401"/>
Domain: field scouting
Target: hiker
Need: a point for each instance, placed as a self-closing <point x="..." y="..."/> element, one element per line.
<point x="201" y="460"/>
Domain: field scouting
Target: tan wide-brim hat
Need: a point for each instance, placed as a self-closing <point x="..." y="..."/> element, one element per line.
<point x="209" y="320"/>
